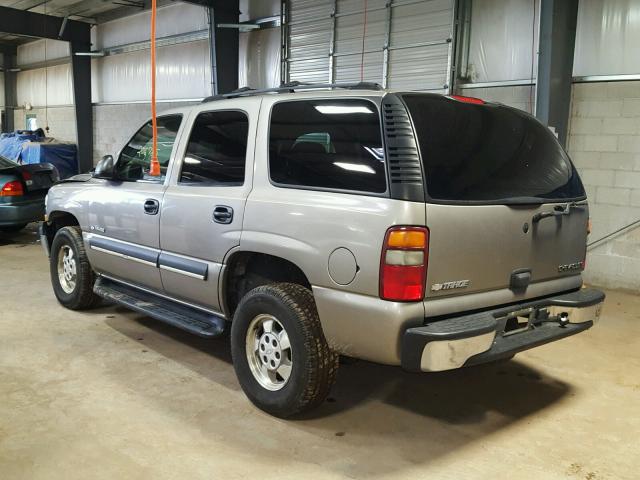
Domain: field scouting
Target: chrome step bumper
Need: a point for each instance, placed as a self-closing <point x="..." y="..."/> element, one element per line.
<point x="499" y="333"/>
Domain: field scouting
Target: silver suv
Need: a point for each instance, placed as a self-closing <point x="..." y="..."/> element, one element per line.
<point x="403" y="228"/>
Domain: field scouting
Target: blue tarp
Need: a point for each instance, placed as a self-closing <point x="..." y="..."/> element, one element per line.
<point x="11" y="144"/>
<point x="26" y="148"/>
<point x="63" y="155"/>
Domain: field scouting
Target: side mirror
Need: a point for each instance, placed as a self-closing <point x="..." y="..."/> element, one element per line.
<point x="105" y="168"/>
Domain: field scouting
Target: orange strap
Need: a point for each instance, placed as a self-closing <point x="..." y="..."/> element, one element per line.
<point x="155" y="165"/>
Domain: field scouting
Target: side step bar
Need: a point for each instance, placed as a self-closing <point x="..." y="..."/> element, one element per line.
<point x="190" y="319"/>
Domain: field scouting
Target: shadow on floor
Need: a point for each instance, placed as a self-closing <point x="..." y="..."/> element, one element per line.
<point x="26" y="236"/>
<point x="416" y="417"/>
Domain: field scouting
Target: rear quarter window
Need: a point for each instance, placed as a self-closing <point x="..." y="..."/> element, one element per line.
<point x="327" y="144"/>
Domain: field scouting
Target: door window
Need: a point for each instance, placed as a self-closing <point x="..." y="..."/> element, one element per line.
<point x="327" y="144"/>
<point x="217" y="150"/>
<point x="135" y="159"/>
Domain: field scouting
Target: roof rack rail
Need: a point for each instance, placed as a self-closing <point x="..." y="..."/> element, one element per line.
<point x="292" y="87"/>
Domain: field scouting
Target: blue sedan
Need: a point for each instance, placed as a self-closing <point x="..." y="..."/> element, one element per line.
<point x="22" y="192"/>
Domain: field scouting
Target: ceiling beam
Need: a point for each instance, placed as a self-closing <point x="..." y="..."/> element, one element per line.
<point x="7" y="49"/>
<point x="20" y="22"/>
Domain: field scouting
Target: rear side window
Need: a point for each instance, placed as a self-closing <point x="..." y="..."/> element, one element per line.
<point x="327" y="144"/>
<point x="217" y="150"/>
<point x="489" y="153"/>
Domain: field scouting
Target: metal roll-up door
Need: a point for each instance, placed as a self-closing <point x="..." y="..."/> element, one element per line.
<point x="309" y="26"/>
<point x="408" y="44"/>
<point x="420" y="45"/>
<point x="348" y="40"/>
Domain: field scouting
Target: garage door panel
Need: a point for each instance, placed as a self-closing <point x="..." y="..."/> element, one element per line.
<point x="350" y="6"/>
<point x="312" y="71"/>
<point x="418" y="32"/>
<point x="348" y="68"/>
<point x="421" y="68"/>
<point x="309" y="10"/>
<point x="309" y="30"/>
<point x="349" y="32"/>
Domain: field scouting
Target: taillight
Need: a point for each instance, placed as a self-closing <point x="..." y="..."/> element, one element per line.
<point x="12" y="189"/>
<point x="460" y="98"/>
<point x="403" y="266"/>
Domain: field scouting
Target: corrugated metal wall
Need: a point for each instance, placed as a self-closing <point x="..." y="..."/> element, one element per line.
<point x="404" y="44"/>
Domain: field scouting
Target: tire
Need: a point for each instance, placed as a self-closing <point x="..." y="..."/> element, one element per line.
<point x="75" y="291"/>
<point x="312" y="364"/>
<point x="13" y="228"/>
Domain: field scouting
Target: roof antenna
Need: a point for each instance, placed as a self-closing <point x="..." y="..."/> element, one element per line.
<point x="154" y="169"/>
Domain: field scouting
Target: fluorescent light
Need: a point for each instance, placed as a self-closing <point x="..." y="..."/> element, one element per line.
<point x="341" y="109"/>
<point x="99" y="53"/>
<point x="355" y="167"/>
<point x="192" y="161"/>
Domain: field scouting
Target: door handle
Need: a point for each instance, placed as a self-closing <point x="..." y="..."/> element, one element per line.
<point x="222" y="214"/>
<point x="151" y="206"/>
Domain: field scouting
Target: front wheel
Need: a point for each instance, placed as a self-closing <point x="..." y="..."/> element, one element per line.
<point x="281" y="358"/>
<point x="72" y="277"/>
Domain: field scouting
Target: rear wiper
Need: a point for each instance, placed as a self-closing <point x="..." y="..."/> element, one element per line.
<point x="558" y="210"/>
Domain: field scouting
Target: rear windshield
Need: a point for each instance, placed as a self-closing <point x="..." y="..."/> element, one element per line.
<point x="489" y="153"/>
<point x="6" y="163"/>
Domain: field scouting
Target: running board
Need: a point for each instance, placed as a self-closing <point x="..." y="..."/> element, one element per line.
<point x="187" y="318"/>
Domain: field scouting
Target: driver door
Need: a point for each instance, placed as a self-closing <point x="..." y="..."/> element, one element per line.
<point x="124" y="213"/>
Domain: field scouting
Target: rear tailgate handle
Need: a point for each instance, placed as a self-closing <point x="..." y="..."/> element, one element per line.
<point x="557" y="211"/>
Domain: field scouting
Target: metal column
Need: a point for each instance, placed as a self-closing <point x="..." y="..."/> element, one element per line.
<point x="558" y="20"/>
<point x="224" y="45"/>
<point x="81" y="73"/>
<point x="10" y="81"/>
<point x="21" y="22"/>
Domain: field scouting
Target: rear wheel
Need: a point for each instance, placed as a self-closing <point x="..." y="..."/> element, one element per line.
<point x="71" y="275"/>
<point x="13" y="228"/>
<point x="282" y="360"/>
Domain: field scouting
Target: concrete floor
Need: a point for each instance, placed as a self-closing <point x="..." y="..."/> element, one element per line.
<point x="111" y="394"/>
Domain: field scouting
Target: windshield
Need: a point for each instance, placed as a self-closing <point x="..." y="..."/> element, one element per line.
<point x="489" y="153"/>
<point x="6" y="163"/>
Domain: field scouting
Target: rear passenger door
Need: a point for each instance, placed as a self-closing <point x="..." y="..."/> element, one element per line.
<point x="204" y="204"/>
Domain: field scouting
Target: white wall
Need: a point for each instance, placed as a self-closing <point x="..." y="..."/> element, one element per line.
<point x="259" y="62"/>
<point x="171" y="20"/>
<point x="183" y="71"/>
<point x="42" y="50"/>
<point x="607" y="38"/>
<point x="504" y="40"/>
<point x="50" y="86"/>
<point x="604" y="143"/>
<point x="60" y="120"/>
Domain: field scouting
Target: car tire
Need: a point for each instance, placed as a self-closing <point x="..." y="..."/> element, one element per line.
<point x="71" y="274"/>
<point x="296" y="370"/>
<point x="13" y="228"/>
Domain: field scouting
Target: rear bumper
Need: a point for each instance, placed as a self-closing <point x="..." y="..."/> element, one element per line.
<point x="495" y="334"/>
<point x="19" y="213"/>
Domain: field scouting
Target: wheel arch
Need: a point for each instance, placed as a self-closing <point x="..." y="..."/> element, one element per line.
<point x="245" y="270"/>
<point x="56" y="220"/>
